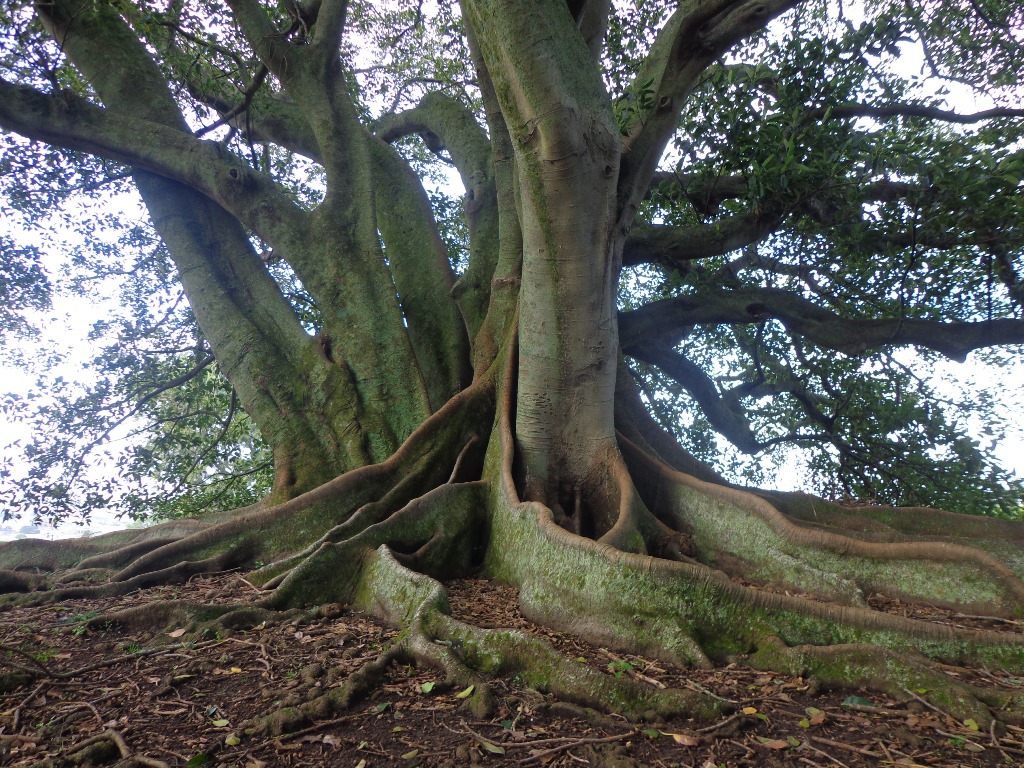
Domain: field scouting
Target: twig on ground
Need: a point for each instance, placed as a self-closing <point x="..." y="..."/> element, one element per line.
<point x="317" y="727"/>
<point x="926" y="703"/>
<point x="701" y="689"/>
<point x="847" y="747"/>
<point x="24" y="703"/>
<point x="541" y="756"/>
<point x="722" y="724"/>
<point x="833" y="758"/>
<point x="995" y="741"/>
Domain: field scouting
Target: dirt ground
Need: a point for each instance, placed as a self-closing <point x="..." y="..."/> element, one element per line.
<point x="107" y="695"/>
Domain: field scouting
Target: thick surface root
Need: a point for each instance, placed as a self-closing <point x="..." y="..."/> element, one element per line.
<point x="384" y="536"/>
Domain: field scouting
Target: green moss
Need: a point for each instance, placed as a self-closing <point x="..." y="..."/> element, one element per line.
<point x="721" y="528"/>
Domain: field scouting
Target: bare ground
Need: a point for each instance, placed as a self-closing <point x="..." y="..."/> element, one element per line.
<point x="104" y="694"/>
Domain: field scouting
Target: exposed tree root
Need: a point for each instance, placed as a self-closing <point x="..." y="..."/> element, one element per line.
<point x="894" y="673"/>
<point x="441" y="447"/>
<point x="382" y="536"/>
<point x="100" y="749"/>
<point x="742" y="533"/>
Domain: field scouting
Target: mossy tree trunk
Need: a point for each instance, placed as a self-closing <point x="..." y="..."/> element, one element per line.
<point x="434" y="427"/>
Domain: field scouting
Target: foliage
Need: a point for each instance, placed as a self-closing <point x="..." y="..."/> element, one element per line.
<point x="779" y="172"/>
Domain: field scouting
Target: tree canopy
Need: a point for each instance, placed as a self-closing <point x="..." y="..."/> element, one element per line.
<point x="418" y="290"/>
<point x="819" y="206"/>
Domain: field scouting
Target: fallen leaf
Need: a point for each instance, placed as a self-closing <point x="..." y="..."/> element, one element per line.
<point x="219" y="723"/>
<point x="685" y="739"/>
<point x="750" y="710"/>
<point x="494" y="749"/>
<point x="970" y="746"/>
<point x="427" y="687"/>
<point x="775" y="744"/>
<point x="971" y="725"/>
<point x="177" y="633"/>
<point x="235" y="671"/>
<point x="466" y="693"/>
<point x="805" y="723"/>
<point x="331" y="741"/>
<point x="361" y="764"/>
<point x="232" y="740"/>
<point x="410" y="754"/>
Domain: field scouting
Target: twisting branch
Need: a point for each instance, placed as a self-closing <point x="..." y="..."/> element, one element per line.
<point x="725" y="415"/>
<point x="75" y="123"/>
<point x="671" y="245"/>
<point x="911" y="110"/>
<point x="444" y="123"/>
<point x="666" y="319"/>
<point x="695" y="35"/>
<point x="247" y="96"/>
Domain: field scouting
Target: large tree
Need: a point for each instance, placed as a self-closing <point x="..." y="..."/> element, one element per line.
<point x="738" y="209"/>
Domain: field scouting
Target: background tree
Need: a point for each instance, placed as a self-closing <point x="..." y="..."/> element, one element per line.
<point x="685" y="207"/>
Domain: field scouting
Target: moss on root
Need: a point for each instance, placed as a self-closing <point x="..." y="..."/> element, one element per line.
<point x="379" y="540"/>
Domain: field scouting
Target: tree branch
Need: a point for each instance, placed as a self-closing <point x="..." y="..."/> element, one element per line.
<point x="725" y="415"/>
<point x="695" y="35"/>
<point x="268" y="43"/>
<point x="445" y="123"/>
<point x="843" y="111"/>
<point x="74" y="123"/>
<point x="592" y="19"/>
<point x="669" y="245"/>
<point x="664" y="320"/>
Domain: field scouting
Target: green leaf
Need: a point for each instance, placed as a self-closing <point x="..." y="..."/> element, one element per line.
<point x="197" y="760"/>
<point x="651" y="733"/>
<point x="971" y="725"/>
<point x="427" y="687"/>
<point x="232" y="740"/>
<point x="410" y="754"/>
<point x="857" y="701"/>
<point x="219" y="723"/>
<point x="466" y="693"/>
<point x="494" y="749"/>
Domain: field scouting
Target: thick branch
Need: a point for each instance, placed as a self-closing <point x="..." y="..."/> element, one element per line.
<point x="74" y="123"/>
<point x="667" y="245"/>
<point x="911" y="110"/>
<point x="695" y="35"/>
<point x="454" y="127"/>
<point x="268" y="43"/>
<point x="663" y="321"/>
<point x="725" y="415"/>
<point x="592" y="19"/>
